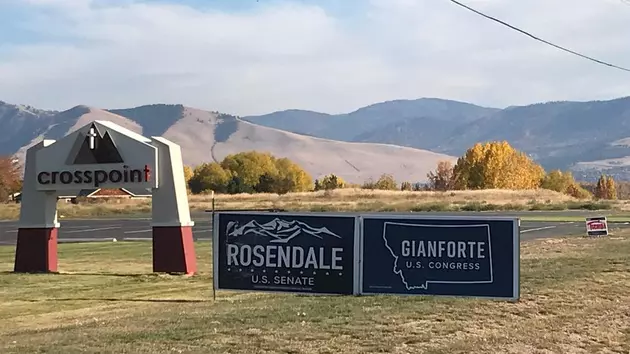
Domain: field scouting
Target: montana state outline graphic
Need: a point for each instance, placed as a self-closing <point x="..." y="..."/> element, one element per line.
<point x="446" y="254"/>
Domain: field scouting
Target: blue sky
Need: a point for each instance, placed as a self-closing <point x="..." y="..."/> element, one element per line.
<point x="248" y="57"/>
<point x="13" y="13"/>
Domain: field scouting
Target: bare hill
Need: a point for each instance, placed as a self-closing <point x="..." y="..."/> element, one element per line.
<point x="210" y="136"/>
<point x="64" y="123"/>
<point x="206" y="136"/>
<point x="585" y="137"/>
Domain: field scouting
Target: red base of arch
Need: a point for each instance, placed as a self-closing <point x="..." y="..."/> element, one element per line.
<point x="36" y="250"/>
<point x="173" y="250"/>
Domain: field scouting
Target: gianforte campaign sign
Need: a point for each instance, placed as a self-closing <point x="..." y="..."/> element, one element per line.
<point x="285" y="252"/>
<point x="477" y="257"/>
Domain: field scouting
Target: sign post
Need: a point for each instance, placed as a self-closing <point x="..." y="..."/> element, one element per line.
<point x="214" y="290"/>
<point x="597" y="226"/>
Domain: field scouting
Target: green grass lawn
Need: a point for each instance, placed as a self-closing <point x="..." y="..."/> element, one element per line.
<point x="575" y="299"/>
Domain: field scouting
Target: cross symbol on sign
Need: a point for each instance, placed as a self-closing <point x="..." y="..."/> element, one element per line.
<point x="92" y="138"/>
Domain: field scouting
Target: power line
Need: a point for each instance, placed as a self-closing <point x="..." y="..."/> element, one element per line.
<point x="540" y="39"/>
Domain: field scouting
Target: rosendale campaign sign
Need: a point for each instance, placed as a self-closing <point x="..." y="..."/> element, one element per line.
<point x="286" y="252"/>
<point x="448" y="256"/>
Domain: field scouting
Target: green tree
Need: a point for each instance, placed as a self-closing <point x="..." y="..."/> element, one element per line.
<point x="209" y="177"/>
<point x="558" y="181"/>
<point x="250" y="172"/>
<point x="564" y="182"/>
<point x="287" y="177"/>
<point x="249" y="166"/>
<point x="406" y="186"/>
<point x="237" y="185"/>
<point x="386" y="182"/>
<point x="331" y="181"/>
<point x="267" y="183"/>
<point x="261" y="172"/>
<point x="291" y="177"/>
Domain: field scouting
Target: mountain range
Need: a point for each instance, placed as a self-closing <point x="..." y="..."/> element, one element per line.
<point x="584" y="137"/>
<point x="405" y="138"/>
<point x="206" y="136"/>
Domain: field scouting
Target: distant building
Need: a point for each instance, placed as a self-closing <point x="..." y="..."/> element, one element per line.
<point x="13" y="197"/>
<point x="98" y="193"/>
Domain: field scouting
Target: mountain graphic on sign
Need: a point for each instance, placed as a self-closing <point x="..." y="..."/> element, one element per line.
<point x="94" y="148"/>
<point x="278" y="230"/>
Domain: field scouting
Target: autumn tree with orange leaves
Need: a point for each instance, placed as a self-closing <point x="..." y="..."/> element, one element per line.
<point x="496" y="165"/>
<point x="10" y="177"/>
<point x="606" y="188"/>
<point x="442" y="179"/>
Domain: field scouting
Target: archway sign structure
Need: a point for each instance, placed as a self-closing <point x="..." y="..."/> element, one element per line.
<point x="102" y="154"/>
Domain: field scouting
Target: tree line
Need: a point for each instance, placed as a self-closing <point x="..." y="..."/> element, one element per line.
<point x="490" y="165"/>
<point x="261" y="172"/>
<point x="497" y="165"/>
<point x="249" y="172"/>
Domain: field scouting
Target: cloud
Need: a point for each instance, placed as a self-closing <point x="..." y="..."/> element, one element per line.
<point x="279" y="55"/>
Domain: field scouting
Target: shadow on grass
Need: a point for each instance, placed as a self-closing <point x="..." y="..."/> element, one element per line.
<point x="124" y="275"/>
<point x="183" y="301"/>
<point x="127" y="275"/>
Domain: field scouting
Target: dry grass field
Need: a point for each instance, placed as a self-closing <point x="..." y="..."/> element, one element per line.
<point x="345" y="200"/>
<point x="575" y="299"/>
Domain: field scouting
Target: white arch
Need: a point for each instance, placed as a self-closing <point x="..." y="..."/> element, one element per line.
<point x="117" y="158"/>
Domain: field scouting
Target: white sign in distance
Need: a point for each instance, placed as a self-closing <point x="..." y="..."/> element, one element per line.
<point x="597" y="226"/>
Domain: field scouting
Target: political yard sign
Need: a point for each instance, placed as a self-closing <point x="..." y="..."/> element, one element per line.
<point x="444" y="256"/>
<point x="597" y="226"/>
<point x="286" y="252"/>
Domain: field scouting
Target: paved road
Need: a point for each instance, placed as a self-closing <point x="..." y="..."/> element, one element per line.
<point x="200" y="215"/>
<point x="529" y="214"/>
<point x="103" y="230"/>
<point x="140" y="229"/>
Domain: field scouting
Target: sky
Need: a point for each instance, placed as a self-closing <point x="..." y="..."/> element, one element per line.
<point x="249" y="57"/>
